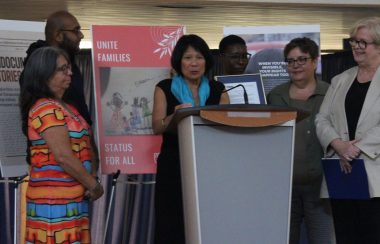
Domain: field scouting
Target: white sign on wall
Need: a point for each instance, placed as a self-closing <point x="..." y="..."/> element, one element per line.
<point x="266" y="44"/>
<point x="15" y="38"/>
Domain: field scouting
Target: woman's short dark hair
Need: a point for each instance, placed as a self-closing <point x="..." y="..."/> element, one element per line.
<point x="306" y="45"/>
<point x="183" y="44"/>
<point x="39" y="69"/>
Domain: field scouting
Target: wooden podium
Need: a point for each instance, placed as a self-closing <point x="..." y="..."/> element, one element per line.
<point x="236" y="170"/>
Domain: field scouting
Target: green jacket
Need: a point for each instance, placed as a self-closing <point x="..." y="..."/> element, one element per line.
<point x="308" y="152"/>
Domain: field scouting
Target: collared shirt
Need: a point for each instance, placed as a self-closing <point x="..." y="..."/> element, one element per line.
<point x="308" y="152"/>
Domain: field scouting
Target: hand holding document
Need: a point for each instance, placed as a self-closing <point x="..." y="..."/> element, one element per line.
<point x="346" y="186"/>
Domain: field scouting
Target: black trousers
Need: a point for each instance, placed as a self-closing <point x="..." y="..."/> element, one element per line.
<point x="357" y="221"/>
<point x="169" y="220"/>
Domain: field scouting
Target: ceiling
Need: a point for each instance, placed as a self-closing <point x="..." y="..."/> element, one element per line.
<point x="205" y="18"/>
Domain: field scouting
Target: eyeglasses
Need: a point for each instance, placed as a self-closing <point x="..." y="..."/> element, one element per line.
<point x="238" y="56"/>
<point x="361" y="43"/>
<point x="76" y="30"/>
<point x="299" y="60"/>
<point x="64" y="68"/>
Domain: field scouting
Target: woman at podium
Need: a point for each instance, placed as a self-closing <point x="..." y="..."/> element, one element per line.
<point x="191" y="60"/>
<point x="62" y="179"/>
<point x="306" y="93"/>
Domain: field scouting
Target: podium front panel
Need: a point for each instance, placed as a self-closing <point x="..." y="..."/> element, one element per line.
<point x="236" y="182"/>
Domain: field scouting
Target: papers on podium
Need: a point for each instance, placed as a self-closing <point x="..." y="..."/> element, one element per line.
<point x="252" y="83"/>
<point x="346" y="186"/>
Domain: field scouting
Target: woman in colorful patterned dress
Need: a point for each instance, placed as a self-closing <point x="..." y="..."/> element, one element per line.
<point x="62" y="178"/>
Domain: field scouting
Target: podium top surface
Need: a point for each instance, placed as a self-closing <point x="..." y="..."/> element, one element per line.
<point x="243" y="115"/>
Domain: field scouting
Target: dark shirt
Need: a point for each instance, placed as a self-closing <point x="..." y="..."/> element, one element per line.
<point x="169" y="222"/>
<point x="307" y="149"/>
<point x="170" y="140"/>
<point x="353" y="105"/>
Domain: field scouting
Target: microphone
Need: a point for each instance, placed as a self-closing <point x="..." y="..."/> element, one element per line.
<point x="245" y="95"/>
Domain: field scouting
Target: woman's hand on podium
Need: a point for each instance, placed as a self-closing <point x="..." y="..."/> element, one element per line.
<point x="182" y="105"/>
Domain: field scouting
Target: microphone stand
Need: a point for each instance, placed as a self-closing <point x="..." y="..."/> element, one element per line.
<point x="245" y="95"/>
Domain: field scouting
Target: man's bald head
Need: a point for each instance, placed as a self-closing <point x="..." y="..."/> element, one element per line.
<point x="55" y="22"/>
<point x="63" y="30"/>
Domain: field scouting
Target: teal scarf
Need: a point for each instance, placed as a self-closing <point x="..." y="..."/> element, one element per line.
<point x="182" y="92"/>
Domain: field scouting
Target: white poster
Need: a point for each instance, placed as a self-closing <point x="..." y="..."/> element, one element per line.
<point x="15" y="38"/>
<point x="266" y="44"/>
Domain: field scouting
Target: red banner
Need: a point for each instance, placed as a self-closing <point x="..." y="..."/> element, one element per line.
<point x="128" y="62"/>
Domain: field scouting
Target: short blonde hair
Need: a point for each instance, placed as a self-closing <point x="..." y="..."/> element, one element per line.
<point x="373" y="26"/>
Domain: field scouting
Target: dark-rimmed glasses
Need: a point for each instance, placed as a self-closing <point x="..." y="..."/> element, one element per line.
<point x="238" y="56"/>
<point x="361" y="43"/>
<point x="65" y="68"/>
<point x="299" y="60"/>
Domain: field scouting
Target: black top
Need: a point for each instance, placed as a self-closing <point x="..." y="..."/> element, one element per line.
<point x="216" y="89"/>
<point x="169" y="225"/>
<point x="354" y="103"/>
